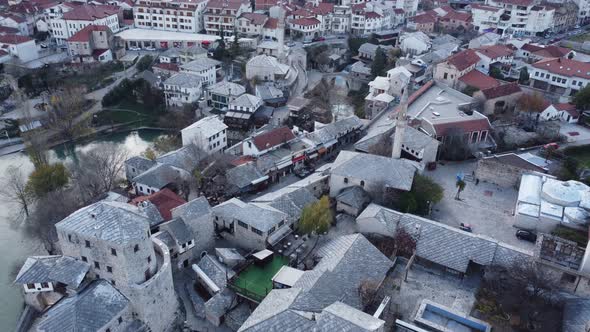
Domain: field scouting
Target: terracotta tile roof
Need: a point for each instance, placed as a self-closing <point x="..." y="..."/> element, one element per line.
<point x="167" y="66"/>
<point x="302" y="12"/>
<point x="91" y="12"/>
<point x="423" y="19"/>
<point x="8" y="30"/>
<point x="323" y="8"/>
<point x="255" y="18"/>
<point x="13" y="39"/>
<point x="225" y="4"/>
<point x="305" y="21"/>
<point x="517" y="2"/>
<point x="273" y="138"/>
<point x="479" y="80"/>
<point x="495" y="51"/>
<point x="3" y="53"/>
<point x="16" y="18"/>
<point x="372" y="15"/>
<point x="84" y="34"/>
<point x="565" y="67"/>
<point x="463" y="59"/>
<point x="457" y="16"/>
<point x="165" y="200"/>
<point x="264" y="4"/>
<point x="569" y="108"/>
<point x="398" y="11"/>
<point x="552" y="51"/>
<point x="271" y="23"/>
<point x="501" y="91"/>
<point x="480" y="124"/>
<point x="531" y="48"/>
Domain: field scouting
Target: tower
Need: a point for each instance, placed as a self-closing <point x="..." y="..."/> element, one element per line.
<point x="281" y="35"/>
<point x="400" y="126"/>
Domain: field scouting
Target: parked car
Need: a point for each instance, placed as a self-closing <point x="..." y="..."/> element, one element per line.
<point x="291" y="44"/>
<point x="318" y="39"/>
<point x="526" y="235"/>
<point x="43" y="45"/>
<point x="303" y="172"/>
<point x="150" y="48"/>
<point x="466" y="227"/>
<point x="134" y="49"/>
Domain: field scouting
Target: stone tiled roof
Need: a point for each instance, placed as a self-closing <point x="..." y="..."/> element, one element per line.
<point x="335" y="130"/>
<point x="243" y="175"/>
<point x="62" y="269"/>
<point x="197" y="207"/>
<point x="257" y="216"/>
<point x="224" y="88"/>
<point x="288" y="200"/>
<point x="115" y="222"/>
<point x="200" y="64"/>
<point x="184" y="80"/>
<point x="90" y="310"/>
<point x="355" y="197"/>
<point x="158" y="177"/>
<point x="395" y="173"/>
<point x="140" y="163"/>
<point x="341" y="317"/>
<point x="217" y="272"/>
<point x="178" y="229"/>
<point x="186" y="158"/>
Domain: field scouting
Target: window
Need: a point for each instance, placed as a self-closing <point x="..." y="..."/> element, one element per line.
<point x="120" y="320"/>
<point x="271" y="230"/>
<point x="569" y="278"/>
<point x="149" y="259"/>
<point x="254" y="230"/>
<point x="113" y="251"/>
<point x="31" y="286"/>
<point x="136" y="248"/>
<point x="362" y="183"/>
<point x="243" y="224"/>
<point x="114" y="283"/>
<point x="70" y="237"/>
<point x="87" y="243"/>
<point x="445" y="76"/>
<point x="110" y="269"/>
<point x="97" y="265"/>
<point x="84" y="259"/>
<point x="97" y="276"/>
<point x="281" y="223"/>
<point x="345" y="180"/>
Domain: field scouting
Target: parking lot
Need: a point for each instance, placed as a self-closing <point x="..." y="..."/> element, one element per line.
<point x="488" y="208"/>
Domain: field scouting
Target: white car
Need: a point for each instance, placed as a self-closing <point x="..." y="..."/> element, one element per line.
<point x="150" y="49"/>
<point x="134" y="49"/>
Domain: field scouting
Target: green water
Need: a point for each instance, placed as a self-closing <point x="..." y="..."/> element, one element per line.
<point x="13" y="245"/>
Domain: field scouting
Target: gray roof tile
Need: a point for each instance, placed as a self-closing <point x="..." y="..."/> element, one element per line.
<point x="158" y="177"/>
<point x="89" y="310"/>
<point x="178" y="230"/>
<point x="216" y="271"/>
<point x="62" y="269"/>
<point x="257" y="216"/>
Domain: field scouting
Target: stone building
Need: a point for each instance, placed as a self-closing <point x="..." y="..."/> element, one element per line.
<point x="504" y="169"/>
<point x="115" y="239"/>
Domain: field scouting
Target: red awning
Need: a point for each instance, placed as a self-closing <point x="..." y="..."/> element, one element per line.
<point x="296" y="159"/>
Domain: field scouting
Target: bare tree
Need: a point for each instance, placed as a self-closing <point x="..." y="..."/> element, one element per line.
<point x="14" y="189"/>
<point x="405" y="244"/>
<point x="367" y="291"/>
<point x="530" y="277"/>
<point x="97" y="170"/>
<point x="67" y="105"/>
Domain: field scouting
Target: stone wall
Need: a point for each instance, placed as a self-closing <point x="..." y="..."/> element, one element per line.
<point x="492" y="171"/>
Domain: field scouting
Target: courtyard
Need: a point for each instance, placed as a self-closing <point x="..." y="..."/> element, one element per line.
<point x="487" y="207"/>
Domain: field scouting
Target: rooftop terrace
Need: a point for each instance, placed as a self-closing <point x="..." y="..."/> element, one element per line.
<point x="255" y="281"/>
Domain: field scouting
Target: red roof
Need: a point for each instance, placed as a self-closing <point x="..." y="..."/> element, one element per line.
<point x="3" y="53"/>
<point x="565" y="67"/>
<point x="16" y="18"/>
<point x="457" y="16"/>
<point x="463" y="59"/>
<point x="398" y="11"/>
<point x="14" y="39"/>
<point x="255" y="18"/>
<point x="90" y="12"/>
<point x="84" y="34"/>
<point x="423" y="19"/>
<point x="552" y="51"/>
<point x="569" y="108"/>
<point x="302" y="12"/>
<point x="305" y="21"/>
<point x="486" y="8"/>
<point x="468" y="126"/>
<point x="517" y="2"/>
<point x="271" y="23"/>
<point x="479" y="80"/>
<point x="372" y="15"/>
<point x="167" y="66"/>
<point x="495" y="51"/>
<point x="5" y="30"/>
<point x="165" y="200"/>
<point x="501" y="90"/>
<point x="225" y="4"/>
<point x="531" y="48"/>
<point x="273" y="138"/>
<point x="242" y="160"/>
<point x="323" y="8"/>
<point x="264" y="4"/>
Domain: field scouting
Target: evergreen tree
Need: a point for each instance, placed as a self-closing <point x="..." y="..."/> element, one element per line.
<point x="378" y="65"/>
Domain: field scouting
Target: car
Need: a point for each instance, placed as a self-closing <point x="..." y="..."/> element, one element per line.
<point x="291" y="44"/>
<point x="466" y="227"/>
<point x="150" y="48"/>
<point x="318" y="39"/>
<point x="43" y="45"/>
<point x="526" y="236"/>
<point x="134" y="49"/>
<point x="303" y="172"/>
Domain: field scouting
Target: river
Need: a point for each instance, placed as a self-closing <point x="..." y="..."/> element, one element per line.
<point x="15" y="247"/>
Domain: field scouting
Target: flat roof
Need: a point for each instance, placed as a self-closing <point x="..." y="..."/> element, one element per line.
<point x="160" y="35"/>
<point x="261" y="255"/>
<point x="287" y="276"/>
<point x="255" y="281"/>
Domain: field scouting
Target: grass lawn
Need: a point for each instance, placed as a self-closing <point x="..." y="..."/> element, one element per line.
<point x="127" y="112"/>
<point x="580" y="153"/>
<point x="257" y="279"/>
<point x="580" y="38"/>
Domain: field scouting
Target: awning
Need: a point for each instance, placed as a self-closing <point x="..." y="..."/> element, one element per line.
<point x="322" y="150"/>
<point x="296" y="159"/>
<point x="257" y="181"/>
<point x="313" y="155"/>
<point x="284" y="164"/>
<point x="277" y="236"/>
<point x="330" y="143"/>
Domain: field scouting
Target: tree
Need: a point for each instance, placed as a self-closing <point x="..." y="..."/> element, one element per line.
<point x="582" y="98"/>
<point x="423" y="194"/>
<point x="404" y="242"/>
<point x="529" y="277"/>
<point x="234" y="50"/>
<point x="378" y="65"/>
<point x="67" y="105"/>
<point x="166" y="143"/>
<point x="532" y="105"/>
<point x="14" y="189"/>
<point x="524" y="76"/>
<point x="470" y="90"/>
<point x="47" y="178"/>
<point x="460" y="184"/>
<point x="367" y="290"/>
<point x="150" y="154"/>
<point x="96" y="171"/>
<point x="220" y="51"/>
<point x="354" y="43"/>
<point x="495" y="72"/>
<point x="145" y="63"/>
<point x="36" y="147"/>
<point x="316" y="217"/>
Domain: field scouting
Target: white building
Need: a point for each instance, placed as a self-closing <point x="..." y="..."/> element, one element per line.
<point x="204" y="67"/>
<point x="560" y="75"/>
<point x="176" y="15"/>
<point x="222" y="15"/>
<point x="525" y="18"/>
<point x="308" y="28"/>
<point x="183" y="88"/>
<point x="16" y="22"/>
<point x="219" y="95"/>
<point x="415" y="43"/>
<point x="78" y="18"/>
<point x="21" y="47"/>
<point x="564" y="112"/>
<point x="208" y="134"/>
<point x="266" y="68"/>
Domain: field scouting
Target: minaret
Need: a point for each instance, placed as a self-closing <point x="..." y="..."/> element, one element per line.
<point x="281" y="34"/>
<point x="400" y="126"/>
